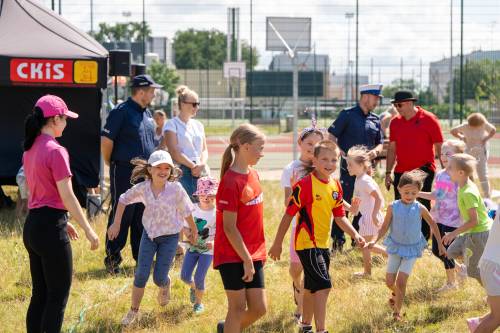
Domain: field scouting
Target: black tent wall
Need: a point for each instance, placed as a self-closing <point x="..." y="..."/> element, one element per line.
<point x="81" y="137"/>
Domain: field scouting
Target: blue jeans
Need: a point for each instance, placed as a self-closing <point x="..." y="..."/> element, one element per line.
<point x="191" y="259"/>
<point x="164" y="247"/>
<point x="189" y="182"/>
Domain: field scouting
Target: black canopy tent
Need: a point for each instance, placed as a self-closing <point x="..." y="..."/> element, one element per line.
<point x="42" y="53"/>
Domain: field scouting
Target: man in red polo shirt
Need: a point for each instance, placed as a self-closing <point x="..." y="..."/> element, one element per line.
<point x="415" y="139"/>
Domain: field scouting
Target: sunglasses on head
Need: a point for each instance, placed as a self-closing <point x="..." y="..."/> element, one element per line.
<point x="194" y="104"/>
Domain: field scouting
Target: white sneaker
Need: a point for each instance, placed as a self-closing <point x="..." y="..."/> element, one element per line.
<point x="130" y="317"/>
<point x="448" y="287"/>
<point x="461" y="273"/>
<point x="164" y="294"/>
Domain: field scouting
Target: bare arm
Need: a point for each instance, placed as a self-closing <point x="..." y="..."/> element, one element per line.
<point x="234" y="236"/>
<point x="455" y="131"/>
<point x="378" y="204"/>
<point x="275" y="250"/>
<point x="385" y="226"/>
<point x="344" y="224"/>
<point x="69" y="200"/>
<point x="106" y="149"/>
<point x="463" y="228"/>
<point x="491" y="133"/>
<point x="288" y="192"/>
<point x="427" y="195"/>
<point x="430" y="221"/>
<point x="170" y="140"/>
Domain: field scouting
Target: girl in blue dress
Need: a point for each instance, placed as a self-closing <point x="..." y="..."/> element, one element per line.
<point x="405" y="241"/>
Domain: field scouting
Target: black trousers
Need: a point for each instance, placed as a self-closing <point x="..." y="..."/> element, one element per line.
<point x="347" y="182"/>
<point x="426" y="188"/>
<point x="119" y="175"/>
<point x="51" y="264"/>
<point x="443" y="230"/>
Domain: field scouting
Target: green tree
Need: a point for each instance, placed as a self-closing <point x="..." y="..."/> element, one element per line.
<point x="398" y="84"/>
<point x="165" y="76"/>
<point x="202" y="49"/>
<point x="121" y="32"/>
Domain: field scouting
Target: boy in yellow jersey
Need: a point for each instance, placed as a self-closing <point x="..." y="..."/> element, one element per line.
<point x="315" y="198"/>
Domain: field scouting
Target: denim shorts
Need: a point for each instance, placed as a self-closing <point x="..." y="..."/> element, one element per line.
<point x="396" y="263"/>
<point x="164" y="247"/>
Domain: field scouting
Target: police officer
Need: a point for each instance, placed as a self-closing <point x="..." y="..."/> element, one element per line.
<point x="129" y="132"/>
<point x="356" y="126"/>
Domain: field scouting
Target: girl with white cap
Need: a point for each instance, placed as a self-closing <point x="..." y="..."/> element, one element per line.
<point x="164" y="199"/>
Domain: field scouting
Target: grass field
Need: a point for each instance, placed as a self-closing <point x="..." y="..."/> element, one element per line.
<point x="98" y="301"/>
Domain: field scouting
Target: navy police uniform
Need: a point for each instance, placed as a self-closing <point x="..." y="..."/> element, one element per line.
<point x="353" y="127"/>
<point x="131" y="128"/>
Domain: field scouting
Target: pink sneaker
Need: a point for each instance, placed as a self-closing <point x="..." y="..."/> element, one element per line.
<point x="473" y="323"/>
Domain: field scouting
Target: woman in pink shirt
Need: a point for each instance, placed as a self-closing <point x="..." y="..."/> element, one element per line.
<point x="47" y="232"/>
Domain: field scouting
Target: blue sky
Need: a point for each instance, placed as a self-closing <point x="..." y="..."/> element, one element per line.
<point x="388" y="31"/>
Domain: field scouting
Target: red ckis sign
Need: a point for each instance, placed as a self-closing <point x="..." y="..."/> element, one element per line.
<point x="41" y="71"/>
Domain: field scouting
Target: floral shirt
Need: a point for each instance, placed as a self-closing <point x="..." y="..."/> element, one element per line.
<point x="163" y="215"/>
<point x="445" y="210"/>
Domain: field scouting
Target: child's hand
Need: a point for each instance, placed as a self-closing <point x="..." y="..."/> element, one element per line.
<point x="448" y="238"/>
<point x="92" y="238"/>
<point x="209" y="245"/>
<point x="359" y="240"/>
<point x="72" y="233"/>
<point x="275" y="251"/>
<point x="370" y="244"/>
<point x="113" y="231"/>
<point x="193" y="238"/>
<point x="248" y="271"/>
<point x="376" y="220"/>
<point x="442" y="250"/>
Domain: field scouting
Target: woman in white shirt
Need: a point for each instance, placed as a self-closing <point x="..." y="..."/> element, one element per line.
<point x="185" y="139"/>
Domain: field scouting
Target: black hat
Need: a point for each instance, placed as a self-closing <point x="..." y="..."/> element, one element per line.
<point x="403" y="96"/>
<point x="144" y="80"/>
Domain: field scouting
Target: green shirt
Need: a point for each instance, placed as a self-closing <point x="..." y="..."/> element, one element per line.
<point x="468" y="197"/>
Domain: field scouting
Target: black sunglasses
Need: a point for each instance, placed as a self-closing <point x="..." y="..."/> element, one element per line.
<point x="194" y="104"/>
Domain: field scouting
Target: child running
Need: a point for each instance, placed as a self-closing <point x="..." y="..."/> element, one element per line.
<point x="468" y="240"/>
<point x="368" y="201"/>
<point x="200" y="255"/>
<point x="489" y="267"/>
<point x="315" y="198"/>
<point x="405" y="241"/>
<point x="445" y="212"/>
<point x="240" y="249"/>
<point x="292" y="173"/>
<point x="164" y="199"/>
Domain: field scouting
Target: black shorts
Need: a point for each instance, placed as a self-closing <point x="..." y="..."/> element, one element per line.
<point x="231" y="274"/>
<point x="316" y="263"/>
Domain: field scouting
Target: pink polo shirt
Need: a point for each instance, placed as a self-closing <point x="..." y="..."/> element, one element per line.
<point x="45" y="163"/>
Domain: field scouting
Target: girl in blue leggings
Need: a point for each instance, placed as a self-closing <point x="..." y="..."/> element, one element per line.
<point x="200" y="255"/>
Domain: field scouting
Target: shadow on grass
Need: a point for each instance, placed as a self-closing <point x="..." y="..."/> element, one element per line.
<point x="282" y="322"/>
<point x="102" y="273"/>
<point x="175" y="315"/>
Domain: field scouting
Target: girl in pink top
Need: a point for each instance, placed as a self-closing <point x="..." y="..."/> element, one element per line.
<point x="368" y="201"/>
<point x="47" y="232"/>
<point x="166" y="205"/>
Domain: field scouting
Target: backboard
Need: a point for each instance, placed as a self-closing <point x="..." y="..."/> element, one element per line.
<point x="295" y="31"/>
<point x="236" y="69"/>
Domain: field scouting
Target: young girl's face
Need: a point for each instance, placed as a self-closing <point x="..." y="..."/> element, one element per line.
<point x="409" y="193"/>
<point x="254" y="150"/>
<point x="307" y="146"/>
<point x="208" y="200"/>
<point x="447" y="151"/>
<point x="159" y="119"/>
<point x="326" y="162"/>
<point x="160" y="173"/>
<point x="354" y="168"/>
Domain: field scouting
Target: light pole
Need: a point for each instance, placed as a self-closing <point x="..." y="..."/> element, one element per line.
<point x="452" y="98"/>
<point x="348" y="80"/>
<point x="91" y="16"/>
<point x="143" y="31"/>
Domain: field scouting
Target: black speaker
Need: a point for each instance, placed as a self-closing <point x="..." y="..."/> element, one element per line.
<point x="137" y="69"/>
<point x="119" y="63"/>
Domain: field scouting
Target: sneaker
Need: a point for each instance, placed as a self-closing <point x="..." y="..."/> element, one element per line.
<point x="164" y="294"/>
<point x="473" y="323"/>
<point x="461" y="273"/>
<point x="304" y="328"/>
<point x="220" y="326"/>
<point x="192" y="295"/>
<point x="130" y="317"/>
<point x="447" y="287"/>
<point x="198" y="308"/>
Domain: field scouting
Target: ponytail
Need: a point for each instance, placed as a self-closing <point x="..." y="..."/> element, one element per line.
<point x="32" y="127"/>
<point x="245" y="133"/>
<point x="227" y="160"/>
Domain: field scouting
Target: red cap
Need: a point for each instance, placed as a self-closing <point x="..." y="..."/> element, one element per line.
<point x="54" y="106"/>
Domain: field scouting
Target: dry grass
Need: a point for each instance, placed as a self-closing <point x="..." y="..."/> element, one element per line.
<point x="98" y="301"/>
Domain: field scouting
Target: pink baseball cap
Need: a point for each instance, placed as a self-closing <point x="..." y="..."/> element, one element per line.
<point x="206" y="186"/>
<point x="54" y="106"/>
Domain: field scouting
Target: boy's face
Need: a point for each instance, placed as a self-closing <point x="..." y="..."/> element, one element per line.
<point x="456" y="174"/>
<point x="409" y="193"/>
<point x="326" y="162"/>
